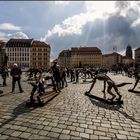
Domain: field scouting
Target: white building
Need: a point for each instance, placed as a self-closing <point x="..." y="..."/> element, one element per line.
<point x="18" y="51"/>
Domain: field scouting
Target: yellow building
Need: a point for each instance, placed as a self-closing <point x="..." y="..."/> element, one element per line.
<point x="40" y="54"/>
<point x="111" y="59"/>
<point x="126" y="60"/>
<point x="81" y="57"/>
<point x="28" y="53"/>
<point x="86" y="56"/>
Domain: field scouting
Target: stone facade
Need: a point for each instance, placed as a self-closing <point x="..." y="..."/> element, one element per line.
<point x="86" y="56"/>
<point x="64" y="58"/>
<point x="18" y="51"/>
<point x="81" y="57"/>
<point x="28" y="53"/>
<point x="111" y="59"/>
<point x="126" y="60"/>
<point x="40" y="54"/>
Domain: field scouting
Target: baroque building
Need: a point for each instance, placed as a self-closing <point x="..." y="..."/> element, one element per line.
<point x="111" y="59"/>
<point x="81" y="57"/>
<point x="64" y="58"/>
<point x="28" y="53"/>
<point x="18" y="51"/>
<point x="86" y="56"/>
<point x="40" y="54"/>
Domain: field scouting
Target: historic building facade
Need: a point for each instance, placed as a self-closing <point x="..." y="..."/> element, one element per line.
<point x="40" y="54"/>
<point x="18" y="51"/>
<point x="81" y="57"/>
<point x="127" y="61"/>
<point x="64" y="58"/>
<point x="28" y="53"/>
<point x="86" y="56"/>
<point x="111" y="59"/>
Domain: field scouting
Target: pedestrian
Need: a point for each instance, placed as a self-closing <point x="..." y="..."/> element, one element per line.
<point x="4" y="74"/>
<point x="77" y="75"/>
<point x="68" y="72"/>
<point x="56" y="75"/>
<point x="63" y="77"/>
<point x="16" y="77"/>
<point x="72" y="75"/>
<point x="137" y="78"/>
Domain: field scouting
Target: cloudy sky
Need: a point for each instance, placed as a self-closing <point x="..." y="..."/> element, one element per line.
<point x="66" y="24"/>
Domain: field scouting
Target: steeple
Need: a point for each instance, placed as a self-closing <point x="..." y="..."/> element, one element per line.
<point x="129" y="51"/>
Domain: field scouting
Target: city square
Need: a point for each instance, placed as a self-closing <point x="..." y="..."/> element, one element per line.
<point x="69" y="70"/>
<point x="71" y="114"/>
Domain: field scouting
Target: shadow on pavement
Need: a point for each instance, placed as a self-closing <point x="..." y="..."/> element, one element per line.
<point x="135" y="91"/>
<point x="20" y="109"/>
<point x="114" y="108"/>
<point x="86" y="82"/>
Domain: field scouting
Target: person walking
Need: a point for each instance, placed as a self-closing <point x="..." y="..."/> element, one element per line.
<point x="16" y="77"/>
<point x="63" y="77"/>
<point x="56" y="75"/>
<point x="77" y="75"/>
<point x="72" y="73"/>
<point x="4" y="74"/>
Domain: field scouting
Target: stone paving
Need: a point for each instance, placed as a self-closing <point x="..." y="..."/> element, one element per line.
<point x="70" y="115"/>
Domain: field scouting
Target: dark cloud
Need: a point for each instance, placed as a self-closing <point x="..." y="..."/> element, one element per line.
<point x="132" y="15"/>
<point x="36" y="18"/>
<point x="122" y="5"/>
<point x="116" y="30"/>
<point x="118" y="26"/>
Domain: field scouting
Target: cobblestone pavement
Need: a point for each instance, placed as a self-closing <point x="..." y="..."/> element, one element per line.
<point x="71" y="114"/>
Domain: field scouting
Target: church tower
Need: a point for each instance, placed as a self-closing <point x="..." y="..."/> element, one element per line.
<point x="129" y="52"/>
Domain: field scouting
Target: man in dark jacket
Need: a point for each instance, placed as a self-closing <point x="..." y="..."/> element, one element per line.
<point x="63" y="77"/>
<point x="77" y="75"/>
<point x="16" y="76"/>
<point x="56" y="75"/>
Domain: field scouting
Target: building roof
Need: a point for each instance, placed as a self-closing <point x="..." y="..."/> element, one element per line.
<point x="85" y="49"/>
<point x="39" y="44"/>
<point x="125" y="57"/>
<point x="137" y="49"/>
<point x="67" y="52"/>
<point x="111" y="54"/>
<point x="19" y="43"/>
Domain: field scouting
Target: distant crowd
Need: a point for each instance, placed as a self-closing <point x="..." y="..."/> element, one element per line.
<point x="59" y="74"/>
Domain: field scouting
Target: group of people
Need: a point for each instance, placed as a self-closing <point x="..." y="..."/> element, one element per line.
<point x="60" y="75"/>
